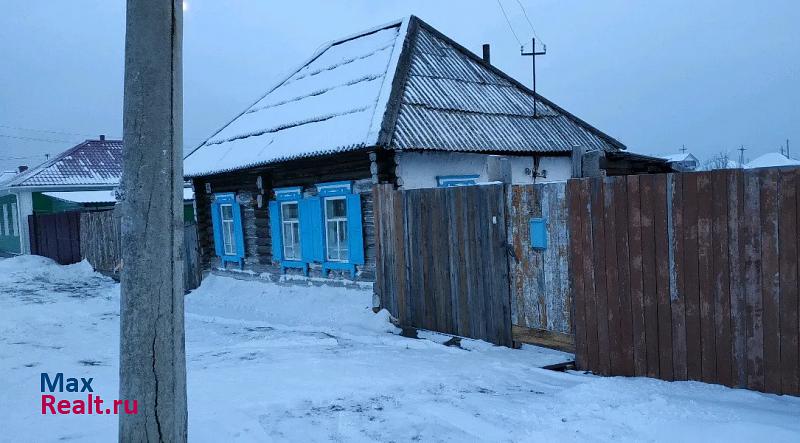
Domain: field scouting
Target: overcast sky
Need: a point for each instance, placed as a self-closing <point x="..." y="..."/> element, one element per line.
<point x="712" y="75"/>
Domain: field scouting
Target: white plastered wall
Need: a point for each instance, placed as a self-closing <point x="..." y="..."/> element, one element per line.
<point x="24" y="209"/>
<point x="420" y="169"/>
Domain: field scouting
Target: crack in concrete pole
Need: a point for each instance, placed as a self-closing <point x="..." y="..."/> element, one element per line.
<point x="152" y="348"/>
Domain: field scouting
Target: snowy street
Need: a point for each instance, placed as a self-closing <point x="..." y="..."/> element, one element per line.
<point x="271" y="362"/>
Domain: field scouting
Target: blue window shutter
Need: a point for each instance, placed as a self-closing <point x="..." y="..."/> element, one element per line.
<point x="538" y="228"/>
<point x="307" y="212"/>
<point x="275" y="230"/>
<point x="217" y="225"/>
<point x="354" y="232"/>
<point x="317" y="228"/>
<point x="238" y="231"/>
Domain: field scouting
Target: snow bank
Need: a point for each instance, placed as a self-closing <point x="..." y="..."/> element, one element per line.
<point x="39" y="279"/>
<point x="289" y="306"/>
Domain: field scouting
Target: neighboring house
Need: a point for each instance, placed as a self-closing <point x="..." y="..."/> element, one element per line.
<point x="772" y="159"/>
<point x="9" y="221"/>
<point x="286" y="185"/>
<point x="682" y="162"/>
<point x="82" y="178"/>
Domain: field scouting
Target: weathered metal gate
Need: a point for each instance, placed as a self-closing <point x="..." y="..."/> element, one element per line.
<point x="442" y="260"/>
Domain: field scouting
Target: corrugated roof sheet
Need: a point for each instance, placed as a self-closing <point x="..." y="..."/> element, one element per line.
<point x="402" y="86"/>
<point x="326" y="106"/>
<point x="453" y="102"/>
<point x="93" y="162"/>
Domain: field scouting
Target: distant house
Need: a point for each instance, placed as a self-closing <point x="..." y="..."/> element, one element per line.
<point x="82" y="178"/>
<point x="682" y="162"/>
<point x="9" y="221"/>
<point x="286" y="185"/>
<point x="772" y="159"/>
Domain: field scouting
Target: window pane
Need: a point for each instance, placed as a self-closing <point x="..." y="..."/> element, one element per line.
<point x="227" y="237"/>
<point x="336" y="208"/>
<point x="289" y="211"/>
<point x="333" y="253"/>
<point x="227" y="212"/>
<point x="291" y="240"/>
<point x="14" y="220"/>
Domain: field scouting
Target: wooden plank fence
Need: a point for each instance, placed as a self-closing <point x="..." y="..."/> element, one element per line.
<point x="688" y="276"/>
<point x="100" y="245"/>
<point x="100" y="240"/>
<point x="56" y="236"/>
<point x="541" y="302"/>
<point x="442" y="259"/>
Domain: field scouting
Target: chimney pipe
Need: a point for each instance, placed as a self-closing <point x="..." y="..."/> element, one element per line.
<point x="22" y="168"/>
<point x="102" y="137"/>
<point x="486" y="54"/>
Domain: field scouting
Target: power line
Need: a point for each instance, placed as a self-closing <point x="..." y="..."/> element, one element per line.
<point x="519" y="42"/>
<point x="48" y="140"/>
<point x="28" y="157"/>
<point x="533" y="29"/>
<point x="49" y="131"/>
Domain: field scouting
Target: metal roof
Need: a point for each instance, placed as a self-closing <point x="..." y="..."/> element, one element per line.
<point x="453" y="100"/>
<point x="403" y="85"/>
<point x="91" y="163"/>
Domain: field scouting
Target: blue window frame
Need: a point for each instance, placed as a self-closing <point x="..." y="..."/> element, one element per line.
<point x="538" y="227"/>
<point x="447" y="181"/>
<point x="286" y="228"/>
<point x="226" y="218"/>
<point x="329" y="226"/>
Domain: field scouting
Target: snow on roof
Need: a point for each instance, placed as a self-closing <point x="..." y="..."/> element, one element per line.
<point x="104" y="196"/>
<point x="93" y="162"/>
<point x="679" y="157"/>
<point x="101" y="196"/>
<point x="327" y="105"/>
<point x="403" y="85"/>
<point x="6" y="176"/>
<point x="772" y="159"/>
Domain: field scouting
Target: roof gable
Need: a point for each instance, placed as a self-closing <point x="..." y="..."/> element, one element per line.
<point x="453" y="100"/>
<point x="327" y="105"/>
<point x="403" y="85"/>
<point x="91" y="163"/>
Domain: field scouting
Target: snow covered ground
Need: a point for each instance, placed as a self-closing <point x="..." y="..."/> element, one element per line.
<point x="291" y="363"/>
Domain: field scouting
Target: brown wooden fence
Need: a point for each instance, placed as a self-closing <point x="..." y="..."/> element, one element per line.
<point x="100" y="240"/>
<point x="688" y="276"/>
<point x="56" y="236"/>
<point x="541" y="302"/>
<point x="442" y="259"/>
<point x="70" y="237"/>
<point x="100" y="245"/>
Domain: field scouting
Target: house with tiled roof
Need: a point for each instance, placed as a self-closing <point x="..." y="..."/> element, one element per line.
<point x="82" y="178"/>
<point x="285" y="186"/>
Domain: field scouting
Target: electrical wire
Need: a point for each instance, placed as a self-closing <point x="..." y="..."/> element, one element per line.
<point x="509" y="23"/>
<point x="48" y="140"/>
<point x="533" y="29"/>
<point x="49" y="131"/>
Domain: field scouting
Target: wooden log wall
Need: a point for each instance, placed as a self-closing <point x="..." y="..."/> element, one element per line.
<point x="441" y="259"/>
<point x="352" y="166"/>
<point x="689" y="276"/>
<point x="541" y="302"/>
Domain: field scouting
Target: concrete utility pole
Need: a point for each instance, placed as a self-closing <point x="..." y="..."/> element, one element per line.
<point x="152" y="353"/>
